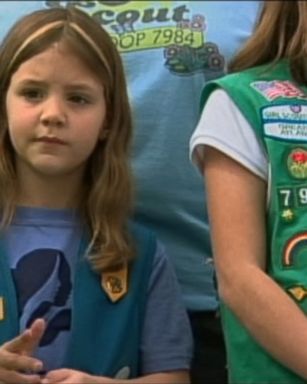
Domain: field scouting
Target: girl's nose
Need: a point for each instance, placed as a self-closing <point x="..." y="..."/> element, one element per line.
<point x="53" y="112"/>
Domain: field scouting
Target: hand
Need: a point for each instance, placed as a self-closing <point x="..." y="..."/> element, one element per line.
<point x="15" y="356"/>
<point x="68" y="376"/>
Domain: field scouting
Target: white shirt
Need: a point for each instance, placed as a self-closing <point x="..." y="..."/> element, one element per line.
<point x="223" y="127"/>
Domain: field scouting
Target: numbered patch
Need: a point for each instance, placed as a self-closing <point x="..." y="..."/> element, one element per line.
<point x="294" y="197"/>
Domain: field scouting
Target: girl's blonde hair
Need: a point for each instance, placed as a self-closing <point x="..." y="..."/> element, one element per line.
<point x="281" y="32"/>
<point x="107" y="199"/>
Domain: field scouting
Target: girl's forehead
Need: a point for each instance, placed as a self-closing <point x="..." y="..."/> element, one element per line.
<point x="63" y="47"/>
<point x="55" y="55"/>
<point x="57" y="64"/>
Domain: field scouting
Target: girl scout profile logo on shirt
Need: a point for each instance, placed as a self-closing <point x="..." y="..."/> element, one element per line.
<point x="50" y="286"/>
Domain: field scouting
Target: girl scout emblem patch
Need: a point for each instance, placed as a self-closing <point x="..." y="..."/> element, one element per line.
<point x="115" y="283"/>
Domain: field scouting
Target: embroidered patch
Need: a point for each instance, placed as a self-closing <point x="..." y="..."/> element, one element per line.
<point x="286" y="198"/>
<point x="287" y="122"/>
<point x="290" y="200"/>
<point x="271" y="90"/>
<point x="115" y="283"/>
<point x="123" y="374"/>
<point x="292" y="247"/>
<point x="2" y="314"/>
<point x="297" y="163"/>
<point x="287" y="215"/>
<point x="298" y="292"/>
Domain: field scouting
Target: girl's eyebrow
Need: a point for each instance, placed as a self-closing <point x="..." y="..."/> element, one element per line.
<point x="81" y="86"/>
<point x="30" y="82"/>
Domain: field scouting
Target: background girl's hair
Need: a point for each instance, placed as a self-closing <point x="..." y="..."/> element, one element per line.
<point x="281" y="32"/>
<point x="106" y="202"/>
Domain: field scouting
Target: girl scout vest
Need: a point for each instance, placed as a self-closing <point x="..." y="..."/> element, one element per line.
<point x="105" y="335"/>
<point x="276" y="108"/>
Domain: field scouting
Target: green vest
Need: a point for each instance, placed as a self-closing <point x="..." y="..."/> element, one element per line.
<point x="276" y="109"/>
<point x="105" y="336"/>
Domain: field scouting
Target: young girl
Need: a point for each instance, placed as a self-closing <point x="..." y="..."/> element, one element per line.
<point x="85" y="295"/>
<point x="251" y="145"/>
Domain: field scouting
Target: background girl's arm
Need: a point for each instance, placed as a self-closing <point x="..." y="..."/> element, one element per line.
<point x="68" y="376"/>
<point x="237" y="207"/>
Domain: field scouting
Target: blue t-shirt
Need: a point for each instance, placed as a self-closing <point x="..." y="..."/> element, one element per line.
<point x="170" y="49"/>
<point x="43" y="246"/>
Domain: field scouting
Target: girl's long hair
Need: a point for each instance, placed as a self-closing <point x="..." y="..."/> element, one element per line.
<point x="281" y="32"/>
<point x="107" y="200"/>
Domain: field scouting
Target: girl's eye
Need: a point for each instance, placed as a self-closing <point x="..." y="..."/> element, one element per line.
<point x="32" y="94"/>
<point x="79" y="99"/>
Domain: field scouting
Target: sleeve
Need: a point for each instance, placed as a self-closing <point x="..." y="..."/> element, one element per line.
<point x="166" y="343"/>
<point x="223" y="127"/>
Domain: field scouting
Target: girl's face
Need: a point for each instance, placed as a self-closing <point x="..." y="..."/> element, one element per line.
<point x="56" y="111"/>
